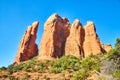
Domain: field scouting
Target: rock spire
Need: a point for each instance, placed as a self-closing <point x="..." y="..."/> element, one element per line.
<point x="28" y="48"/>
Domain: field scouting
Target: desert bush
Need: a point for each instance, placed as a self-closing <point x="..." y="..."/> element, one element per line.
<point x="56" y="70"/>
<point x="79" y="75"/>
<point x="11" y="78"/>
<point x="71" y="63"/>
<point x="3" y="68"/>
<point x="18" y="67"/>
<point x="65" y="63"/>
<point x="10" y="69"/>
<point x="32" y="65"/>
<point x="46" y="78"/>
<point x="90" y="63"/>
<point x="115" y="53"/>
<point x="40" y="67"/>
<point x="117" y="44"/>
<point x="114" y="56"/>
<point x="37" y="78"/>
<point x="26" y="77"/>
<point x="116" y="74"/>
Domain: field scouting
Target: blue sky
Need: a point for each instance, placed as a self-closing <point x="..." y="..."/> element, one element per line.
<point x="16" y="15"/>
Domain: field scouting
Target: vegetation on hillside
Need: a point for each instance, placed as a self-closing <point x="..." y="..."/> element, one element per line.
<point x="67" y="68"/>
<point x="114" y="55"/>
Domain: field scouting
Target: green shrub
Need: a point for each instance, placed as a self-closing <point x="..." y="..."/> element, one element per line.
<point x="32" y="65"/>
<point x="37" y="78"/>
<point x="40" y="67"/>
<point x="81" y="67"/>
<point x="46" y="78"/>
<point x="117" y="44"/>
<point x="56" y="70"/>
<point x="3" y="68"/>
<point x="116" y="74"/>
<point x="115" y="53"/>
<point x="90" y="63"/>
<point x="18" y="67"/>
<point x="65" y="63"/>
<point x="80" y="75"/>
<point x="12" y="78"/>
<point x="26" y="77"/>
<point x="10" y="69"/>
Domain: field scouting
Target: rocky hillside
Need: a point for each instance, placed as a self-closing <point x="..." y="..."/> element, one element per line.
<point x="61" y="38"/>
<point x="96" y="67"/>
<point x="67" y="52"/>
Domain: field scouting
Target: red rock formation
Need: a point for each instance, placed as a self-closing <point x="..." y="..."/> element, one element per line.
<point x="74" y="41"/>
<point x="53" y="40"/>
<point x="60" y="38"/>
<point x="108" y="47"/>
<point x="92" y="44"/>
<point x="28" y="48"/>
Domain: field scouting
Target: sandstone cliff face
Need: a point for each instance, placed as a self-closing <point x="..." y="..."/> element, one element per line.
<point x="73" y="45"/>
<point x="62" y="38"/>
<point x="92" y="44"/>
<point x="28" y="48"/>
<point x="54" y="37"/>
